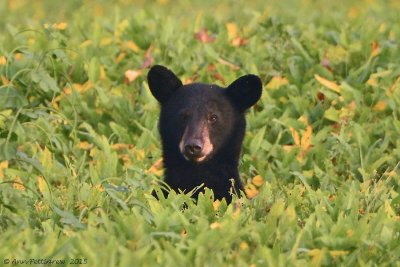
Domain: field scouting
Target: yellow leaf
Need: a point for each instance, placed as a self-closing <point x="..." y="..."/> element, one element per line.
<point x="382" y="27"/>
<point x="350" y="233"/>
<point x="232" y="30"/>
<point x="296" y="136"/>
<point x="99" y="187"/>
<point x="18" y="184"/>
<point x="4" y="80"/>
<point x="120" y="57"/>
<point x="102" y="73"/>
<point x="239" y="41"/>
<point x="31" y="41"/>
<point x="40" y="206"/>
<point x="42" y="184"/>
<point x="389" y="210"/>
<point x="81" y="88"/>
<point x="375" y="50"/>
<point x="60" y="26"/>
<point x="380" y="106"/>
<point x="106" y="41"/>
<point x="306" y="138"/>
<point x="132" y="46"/>
<point x="86" y="43"/>
<point x="157" y="168"/>
<point x="328" y="84"/>
<point x="215" y="225"/>
<point x="251" y="191"/>
<point x="236" y="213"/>
<point x="276" y="82"/>
<point x="288" y="148"/>
<point x="243" y="245"/>
<point x="353" y="12"/>
<point x="257" y="180"/>
<point x="121" y="27"/>
<point x="389" y="92"/>
<point x="3" y="166"/>
<point x="18" y="56"/>
<point x="120" y="146"/>
<point x="139" y="154"/>
<point x="85" y="145"/>
<point x="131" y="75"/>
<point x="3" y="60"/>
<point x="335" y="253"/>
<point x="303" y="119"/>
<point x="216" y="204"/>
<point x="291" y="212"/>
<point x="317" y="256"/>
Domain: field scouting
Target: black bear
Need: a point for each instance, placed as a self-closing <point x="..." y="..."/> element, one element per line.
<point x="202" y="128"/>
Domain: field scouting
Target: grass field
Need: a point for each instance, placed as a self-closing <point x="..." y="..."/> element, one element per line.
<point x="80" y="151"/>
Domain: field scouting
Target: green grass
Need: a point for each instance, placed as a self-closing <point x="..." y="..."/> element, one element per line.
<point x="78" y="141"/>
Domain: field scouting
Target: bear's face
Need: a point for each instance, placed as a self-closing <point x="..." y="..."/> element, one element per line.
<point x="200" y="117"/>
<point x="197" y="118"/>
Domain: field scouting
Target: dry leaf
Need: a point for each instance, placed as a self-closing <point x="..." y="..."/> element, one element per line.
<point x="229" y="64"/>
<point x="99" y="187"/>
<point x="203" y="36"/>
<point x="106" y="41"/>
<point x="3" y="60"/>
<point x="296" y="136"/>
<point x="183" y="232"/>
<point x="132" y="46"/>
<point x="157" y="168"/>
<point x="3" y="166"/>
<point x="82" y="88"/>
<point x="243" y="245"/>
<point x="18" y="184"/>
<point x="216" y="204"/>
<point x="85" y="145"/>
<point x="257" y="180"/>
<point x="335" y="253"/>
<point x="239" y="41"/>
<point x="375" y="50"/>
<point x="85" y="43"/>
<point x="148" y="58"/>
<point x="120" y="57"/>
<point x="232" y="30"/>
<point x="276" y="82"/>
<point x="58" y="26"/>
<point x="4" y="80"/>
<point x="329" y="84"/>
<point x="380" y="106"/>
<point x="317" y="256"/>
<point x="120" y="146"/>
<point x="131" y="75"/>
<point x="251" y="191"/>
<point x="215" y="225"/>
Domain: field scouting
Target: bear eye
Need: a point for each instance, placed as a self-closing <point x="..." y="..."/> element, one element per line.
<point x="212" y="118"/>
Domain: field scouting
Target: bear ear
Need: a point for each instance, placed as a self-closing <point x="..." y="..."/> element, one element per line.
<point x="162" y="83"/>
<point x="245" y="91"/>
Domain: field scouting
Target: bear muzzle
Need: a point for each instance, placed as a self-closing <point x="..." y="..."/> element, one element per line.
<point x="196" y="147"/>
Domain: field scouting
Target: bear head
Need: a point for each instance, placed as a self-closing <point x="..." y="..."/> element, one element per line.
<point x="199" y="120"/>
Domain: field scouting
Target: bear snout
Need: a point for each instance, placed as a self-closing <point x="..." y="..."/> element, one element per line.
<point x="196" y="147"/>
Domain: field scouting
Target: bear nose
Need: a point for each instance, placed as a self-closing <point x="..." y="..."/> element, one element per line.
<point x="193" y="148"/>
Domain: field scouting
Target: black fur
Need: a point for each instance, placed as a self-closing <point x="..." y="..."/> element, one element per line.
<point x="189" y="107"/>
